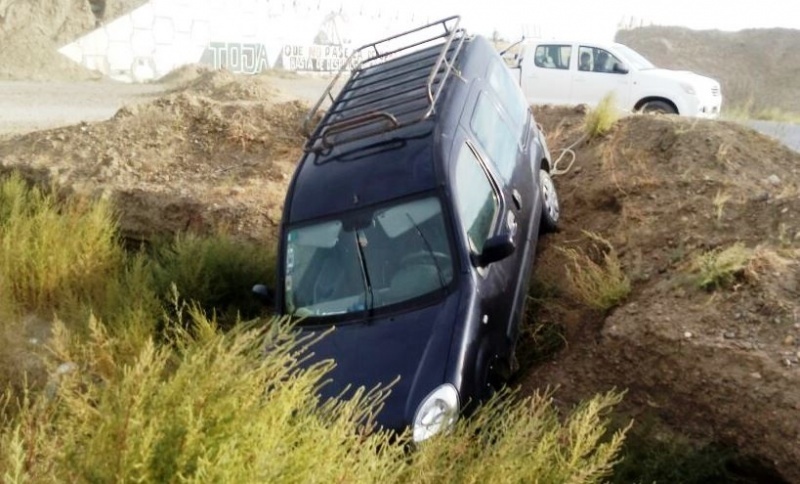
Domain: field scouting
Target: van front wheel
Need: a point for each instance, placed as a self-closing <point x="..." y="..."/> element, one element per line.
<point x="551" y="212"/>
<point x="658" y="107"/>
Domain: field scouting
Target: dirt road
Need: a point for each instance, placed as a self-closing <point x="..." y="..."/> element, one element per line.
<point x="30" y="106"/>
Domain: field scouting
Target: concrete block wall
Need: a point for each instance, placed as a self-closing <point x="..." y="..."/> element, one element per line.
<point x="245" y="36"/>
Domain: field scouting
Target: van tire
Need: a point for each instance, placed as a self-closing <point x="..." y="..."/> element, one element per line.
<point x="658" y="107"/>
<point x="551" y="211"/>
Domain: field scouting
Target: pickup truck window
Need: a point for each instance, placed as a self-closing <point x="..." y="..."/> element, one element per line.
<point x="595" y="59"/>
<point x="552" y="56"/>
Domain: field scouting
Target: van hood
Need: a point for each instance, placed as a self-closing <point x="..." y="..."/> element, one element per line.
<point x="680" y="76"/>
<point x="413" y="345"/>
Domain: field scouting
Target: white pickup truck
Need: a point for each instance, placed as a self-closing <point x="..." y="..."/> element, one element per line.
<point x="560" y="72"/>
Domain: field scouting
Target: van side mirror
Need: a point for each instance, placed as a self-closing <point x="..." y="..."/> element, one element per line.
<point x="263" y="294"/>
<point x="619" y="68"/>
<point x="497" y="248"/>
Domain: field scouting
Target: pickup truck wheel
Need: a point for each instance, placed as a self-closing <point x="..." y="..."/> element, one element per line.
<point x="658" y="107"/>
<point x="550" y="208"/>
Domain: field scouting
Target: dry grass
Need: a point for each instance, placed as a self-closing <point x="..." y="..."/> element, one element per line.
<point x="719" y="268"/>
<point x="53" y="255"/>
<point x="721" y="155"/>
<point x="133" y="395"/>
<point x="598" y="121"/>
<point x="215" y="407"/>
<point x="719" y="201"/>
<point x="600" y="285"/>
<point x="764" y="262"/>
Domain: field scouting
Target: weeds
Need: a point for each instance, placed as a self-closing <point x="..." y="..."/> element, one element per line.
<point x="671" y="458"/>
<point x="720" y="199"/>
<point x="747" y="111"/>
<point x="213" y="406"/>
<point x="719" y="268"/>
<point x="216" y="271"/>
<point x="600" y="285"/>
<point x="721" y="155"/>
<point x="53" y="256"/>
<point x="541" y="334"/>
<point x="125" y="402"/>
<point x="598" y="121"/>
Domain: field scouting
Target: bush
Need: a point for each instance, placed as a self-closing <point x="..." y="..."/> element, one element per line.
<point x="218" y="272"/>
<point x="214" y="407"/>
<point x="719" y="267"/>
<point x="598" y="121"/>
<point x="122" y="401"/>
<point x="600" y="285"/>
<point x="53" y="256"/>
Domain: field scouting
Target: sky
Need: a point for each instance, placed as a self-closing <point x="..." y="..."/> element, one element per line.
<point x="591" y="19"/>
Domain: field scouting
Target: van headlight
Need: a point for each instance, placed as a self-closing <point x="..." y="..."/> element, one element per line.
<point x="437" y="412"/>
<point x="688" y="88"/>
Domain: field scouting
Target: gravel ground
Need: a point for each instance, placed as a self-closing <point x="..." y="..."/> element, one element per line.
<point x="30" y="106"/>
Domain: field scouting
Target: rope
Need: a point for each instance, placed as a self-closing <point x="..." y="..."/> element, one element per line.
<point x="555" y="170"/>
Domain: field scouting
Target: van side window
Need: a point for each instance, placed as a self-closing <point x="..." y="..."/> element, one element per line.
<point x="495" y="136"/>
<point x="476" y="201"/>
<point x="552" y="56"/>
<point x="510" y="95"/>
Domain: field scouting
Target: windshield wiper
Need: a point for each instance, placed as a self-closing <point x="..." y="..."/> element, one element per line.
<point x="364" y="272"/>
<point x="430" y="250"/>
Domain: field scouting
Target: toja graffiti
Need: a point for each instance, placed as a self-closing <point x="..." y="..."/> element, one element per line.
<point x="239" y="58"/>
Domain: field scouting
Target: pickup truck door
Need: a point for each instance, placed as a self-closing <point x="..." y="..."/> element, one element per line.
<point x="593" y="80"/>
<point x="546" y="77"/>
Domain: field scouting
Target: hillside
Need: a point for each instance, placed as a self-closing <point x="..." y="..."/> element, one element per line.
<point x="758" y="68"/>
<point x="672" y="200"/>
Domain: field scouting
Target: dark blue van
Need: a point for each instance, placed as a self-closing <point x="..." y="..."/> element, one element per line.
<point x="410" y="225"/>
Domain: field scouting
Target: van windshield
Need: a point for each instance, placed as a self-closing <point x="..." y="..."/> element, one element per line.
<point x="634" y="59"/>
<point x="367" y="259"/>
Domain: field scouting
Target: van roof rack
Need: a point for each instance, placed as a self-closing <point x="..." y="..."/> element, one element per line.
<point x="385" y="92"/>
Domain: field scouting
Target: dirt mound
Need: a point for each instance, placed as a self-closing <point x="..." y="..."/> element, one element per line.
<point x="220" y="85"/>
<point x="757" y="68"/>
<point x="181" y="162"/>
<point x="719" y="363"/>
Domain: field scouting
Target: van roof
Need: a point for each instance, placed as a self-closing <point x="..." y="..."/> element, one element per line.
<point x="376" y="142"/>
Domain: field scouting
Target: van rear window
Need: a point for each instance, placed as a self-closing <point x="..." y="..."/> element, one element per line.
<point x="495" y="136"/>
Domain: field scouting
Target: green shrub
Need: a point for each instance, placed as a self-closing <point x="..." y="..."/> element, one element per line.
<point x="53" y="255"/>
<point x="651" y="456"/>
<point x="124" y="402"/>
<point x="598" y="121"/>
<point x="524" y="441"/>
<point x="218" y="272"/>
<point x="215" y="407"/>
<point x="719" y="267"/>
<point x="210" y="407"/>
<point x="600" y="285"/>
